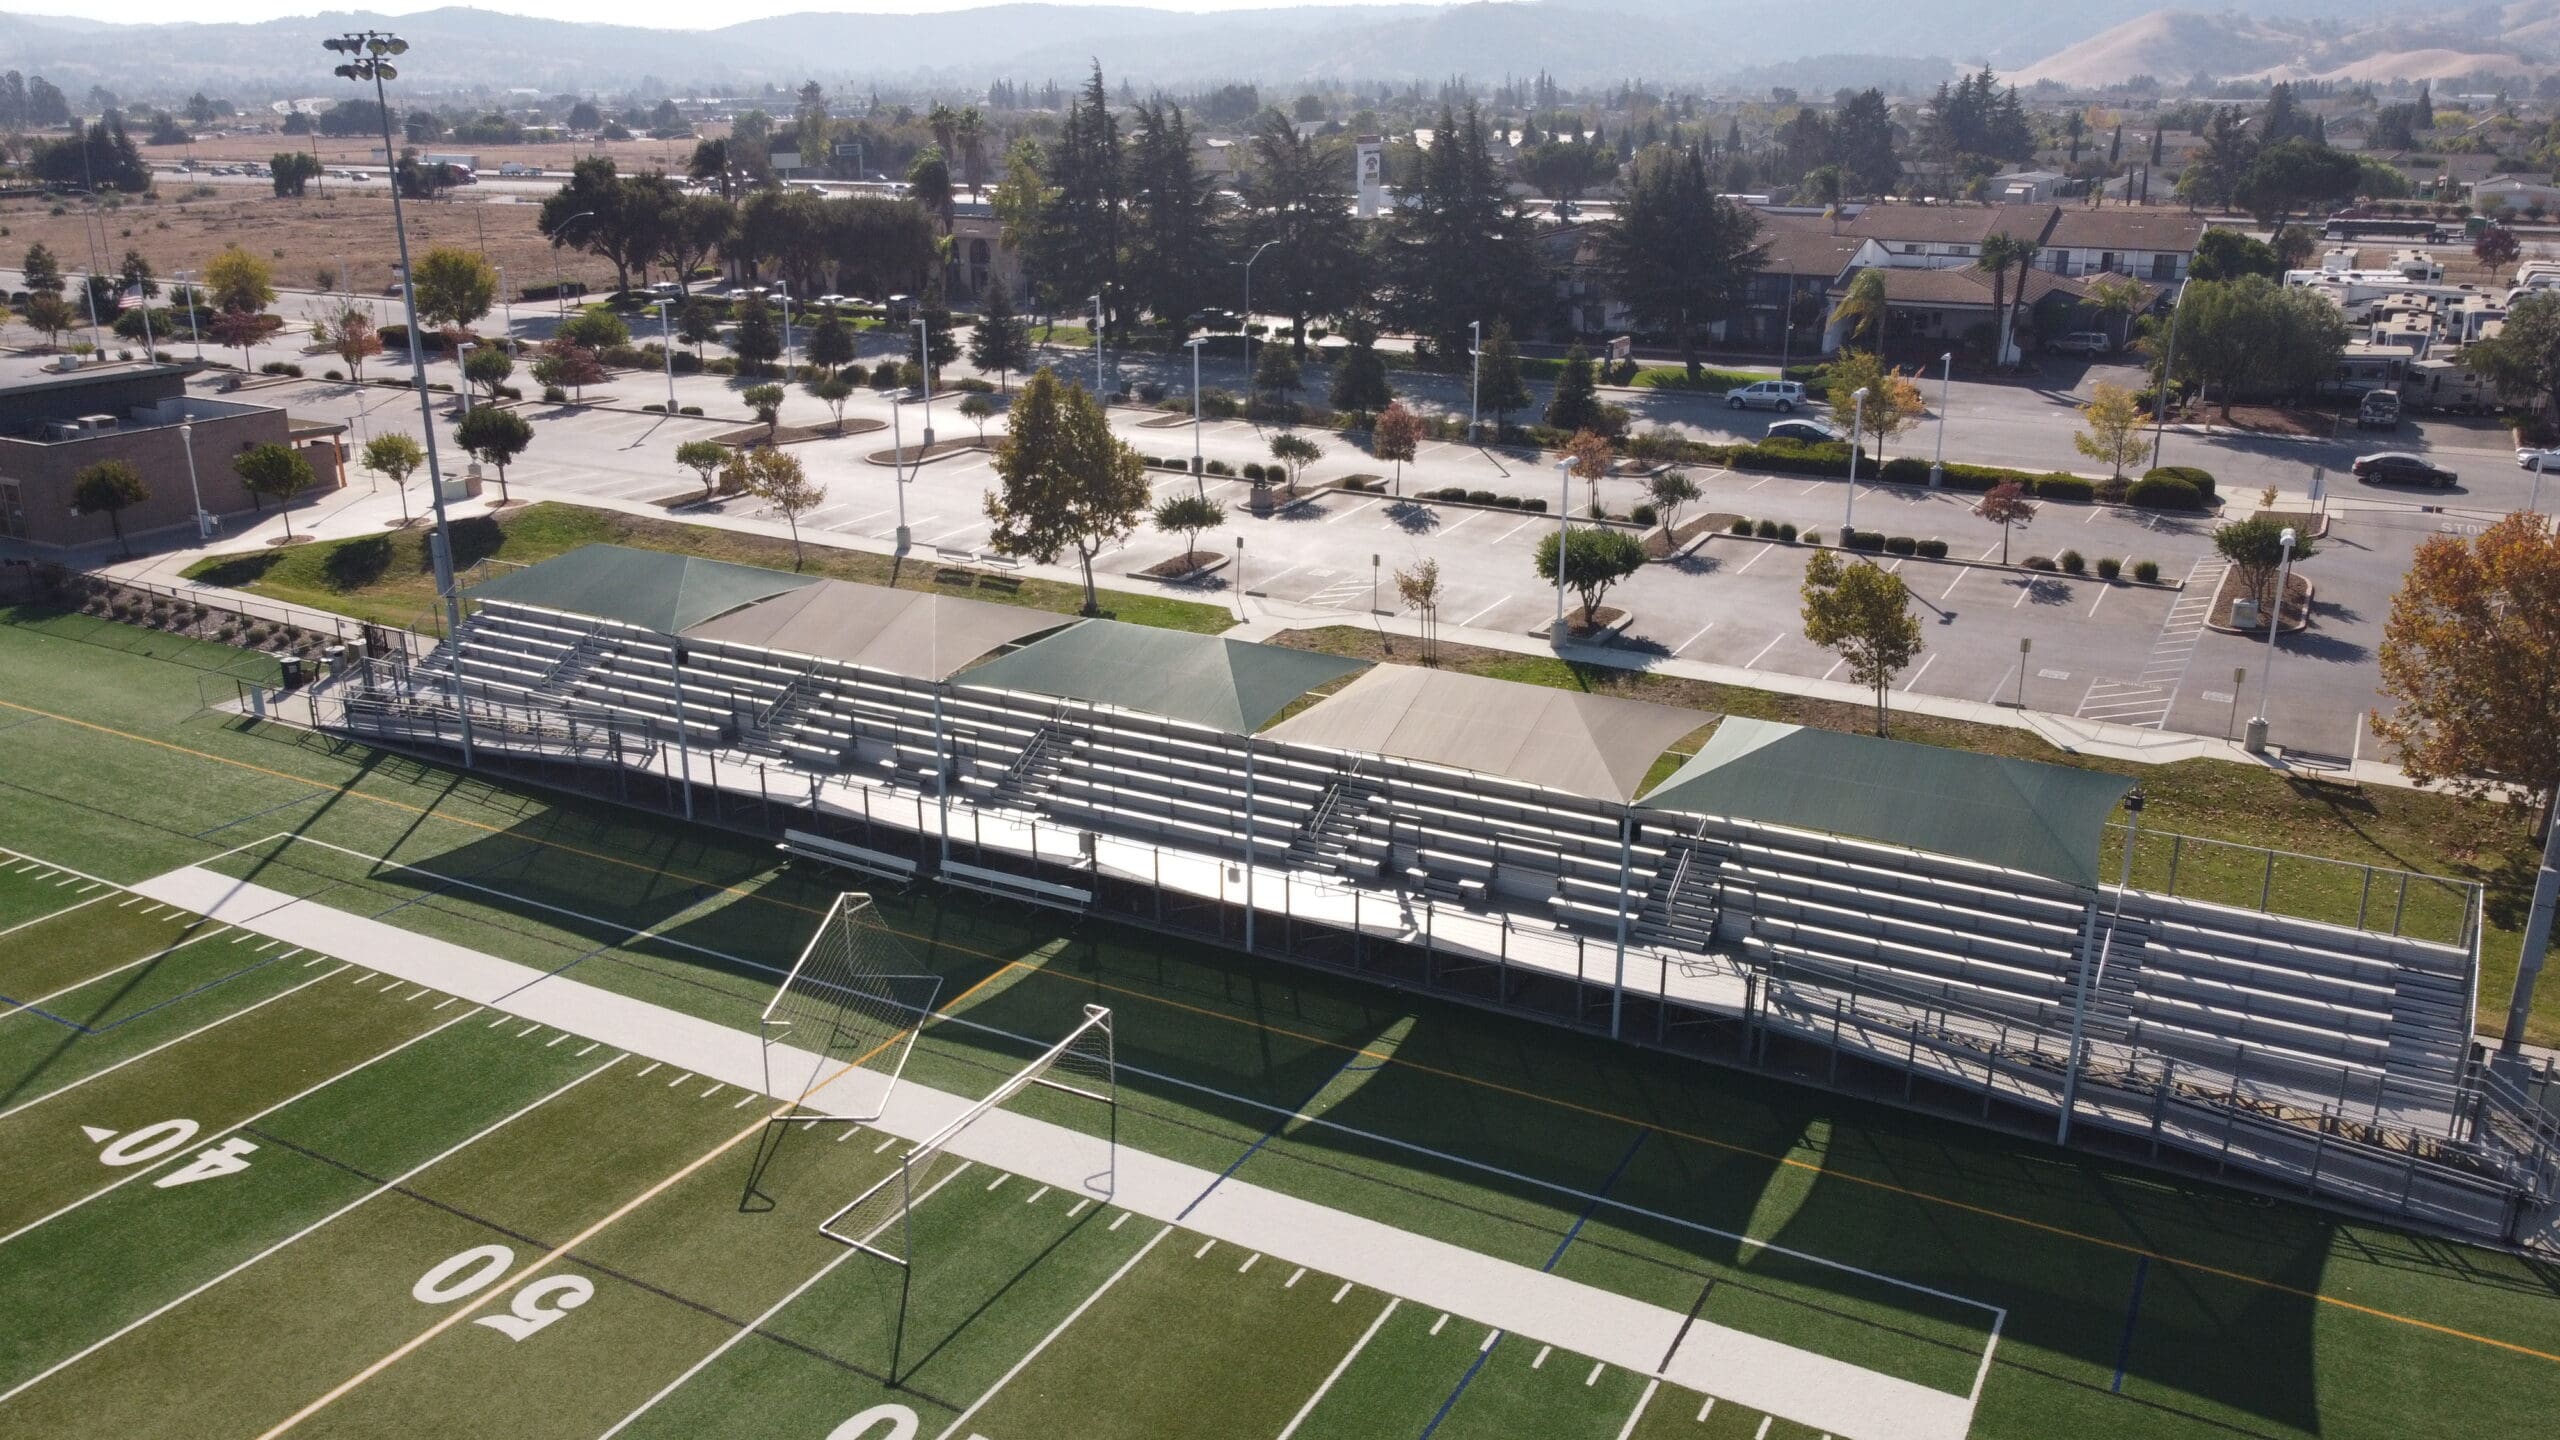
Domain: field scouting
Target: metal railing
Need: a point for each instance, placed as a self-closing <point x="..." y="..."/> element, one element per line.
<point x="2379" y="899"/>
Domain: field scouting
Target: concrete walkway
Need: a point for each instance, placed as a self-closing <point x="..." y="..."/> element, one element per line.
<point x="1815" y="1390"/>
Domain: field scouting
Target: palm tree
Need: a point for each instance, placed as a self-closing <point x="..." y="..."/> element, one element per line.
<point x="1861" y="312"/>
<point x="2000" y="250"/>
<point x="2118" y="296"/>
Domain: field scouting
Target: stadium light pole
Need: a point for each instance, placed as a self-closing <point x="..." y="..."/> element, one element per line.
<point x="897" y="460"/>
<point x="676" y="657"/>
<point x="1564" y="522"/>
<point x="369" y="55"/>
<point x="2080" y="988"/>
<point x="1857" y="435"/>
<point x="1946" y="388"/>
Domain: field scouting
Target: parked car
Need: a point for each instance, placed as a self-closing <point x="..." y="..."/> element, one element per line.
<point x="2379" y="410"/>
<point x="2082" y="342"/>
<point x="2399" y="467"/>
<point x="1810" y="432"/>
<point x="1782" y="396"/>
<point x="2532" y="459"/>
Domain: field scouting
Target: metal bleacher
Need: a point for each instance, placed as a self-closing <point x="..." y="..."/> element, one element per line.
<point x="2204" y="1024"/>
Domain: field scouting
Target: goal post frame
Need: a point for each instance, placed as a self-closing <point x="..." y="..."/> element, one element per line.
<point x="888" y="1009"/>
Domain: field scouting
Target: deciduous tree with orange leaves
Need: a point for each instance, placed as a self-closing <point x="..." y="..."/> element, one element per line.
<point x="2471" y="660"/>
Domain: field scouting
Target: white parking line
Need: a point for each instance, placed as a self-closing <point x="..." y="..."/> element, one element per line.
<point x="1694" y="639"/>
<point x="1765" y="649"/>
<point x="1489" y="609"/>
<point x="1925" y="662"/>
<point x="1756" y="559"/>
<point x="1516" y="529"/>
<point x="1354" y="510"/>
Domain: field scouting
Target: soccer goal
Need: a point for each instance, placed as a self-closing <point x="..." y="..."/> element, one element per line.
<point x="850" y="1008"/>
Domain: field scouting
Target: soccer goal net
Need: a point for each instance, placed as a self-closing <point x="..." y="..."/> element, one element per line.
<point x="845" y="1018"/>
<point x="880" y="1220"/>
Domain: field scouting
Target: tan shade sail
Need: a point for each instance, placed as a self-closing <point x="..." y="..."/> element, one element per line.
<point x="1594" y="746"/>
<point x="1230" y="685"/>
<point x="2016" y="814"/>
<point x="899" y="632"/>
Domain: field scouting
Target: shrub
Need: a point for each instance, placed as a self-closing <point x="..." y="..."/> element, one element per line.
<point x="689" y="410"/>
<point x="1932" y="550"/>
<point x="887" y="374"/>
<point x="1219" y="467"/>
<point x="1787" y="533"/>
<point x="653" y="407"/>
<point x="2202" y="480"/>
<point x="332" y="375"/>
<point x="1767" y="530"/>
<point x="1789" y="457"/>
<point x="1901" y="545"/>
<point x="1904" y="470"/>
<point x="1482" y="497"/>
<point x="720" y="365"/>
<point x="2109" y="568"/>
<point x="1870" y="541"/>
<point x="1741" y="527"/>
<point x="554" y="395"/>
<point x="1644" y="515"/>
<point x="2164" y="492"/>
<point x="280" y="367"/>
<point x="2147" y="571"/>
<point x="972" y="385"/>
<point x="1534" y="507"/>
<point x="687" y="363"/>
<point x="2040" y="562"/>
<point x="1812" y="537"/>
<point x="1507" y="502"/>
<point x="1150" y="391"/>
<point x="2073" y="563"/>
<point x="2064" y="487"/>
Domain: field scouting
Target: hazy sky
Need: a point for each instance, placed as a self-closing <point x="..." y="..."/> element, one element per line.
<point x="671" y="14"/>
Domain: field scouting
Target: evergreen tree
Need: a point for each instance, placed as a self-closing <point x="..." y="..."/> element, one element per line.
<point x="1461" y="249"/>
<point x="1499" y="388"/>
<point x="1176" y="263"/>
<point x="998" y="342"/>
<point x="1360" y="380"/>
<point x="1576" y="403"/>
<point x="1863" y="143"/>
<point x="1679" y="255"/>
<point x="1298" y="199"/>
<point x="1074" y="245"/>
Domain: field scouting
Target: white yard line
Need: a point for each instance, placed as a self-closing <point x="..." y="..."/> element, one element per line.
<point x="22" y="1007"/>
<point x="65" y="910"/>
<point x="1339" y="1366"/>
<point x="173" y="1040"/>
<point x="1637" y="1414"/>
<point x="1046" y="1340"/>
<point x="383" y="1189"/>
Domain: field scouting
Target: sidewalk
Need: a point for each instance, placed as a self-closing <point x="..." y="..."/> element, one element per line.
<point x="1833" y="1395"/>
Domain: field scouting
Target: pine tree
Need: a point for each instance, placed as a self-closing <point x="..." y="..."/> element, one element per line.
<point x="1461" y="249"/>
<point x="998" y="343"/>
<point x="1500" y="389"/>
<point x="1360" y="380"/>
<point x="1679" y="255"/>
<point x="1175" y="260"/>
<point x="1576" y="403"/>
<point x="1298" y="199"/>
<point x="1075" y="244"/>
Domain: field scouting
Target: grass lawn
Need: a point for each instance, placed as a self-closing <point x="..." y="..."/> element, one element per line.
<point x="2418" y="830"/>
<point x="387" y="577"/>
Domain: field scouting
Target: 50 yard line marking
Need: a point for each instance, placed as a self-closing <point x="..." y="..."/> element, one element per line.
<point x="2043" y="1227"/>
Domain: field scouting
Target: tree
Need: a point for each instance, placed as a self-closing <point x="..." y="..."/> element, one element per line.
<point x="776" y="478"/>
<point x="2230" y="254"/>
<point x="1862" y="614"/>
<point x="1395" y="436"/>
<point x="704" y="458"/>
<point x="2497" y="247"/>
<point x="1671" y="491"/>
<point x="938" y="344"/>
<point x="766" y="402"/>
<point x="2006" y="505"/>
<point x="830" y="344"/>
<point x="238" y="280"/>
<point x="567" y="365"/>
<point x="489" y="367"/>
<point x="135" y="275"/>
<point x="347" y="328"/>
<point x="1591" y="455"/>
<point x="1074" y="243"/>
<point x="1360" y="378"/>
<point x="1862" y="139"/>
<point x="689" y="230"/>
<point x="1276" y="375"/>
<point x="977" y="409"/>
<point x="242" y="328"/>
<point x="1067" y="482"/>
<point x="2255" y="335"/>
<point x="998" y="342"/>
<point x="1575" y="404"/>
<point x="1296" y="452"/>
<point x="494" y="437"/>
<point x="275" y="472"/>
<point x="757" y="340"/>
<point x="41" y="271"/>
<point x="2114" y="434"/>
<point x="50" y="313"/>
<point x="1680" y="255"/>
<point x="596" y="329"/>
<point x="2002" y="251"/>
<point x="1419" y="589"/>
<point x="1894" y="403"/>
<point x="1458" y="247"/>
<point x="2215" y="172"/>
<point x="2469" y="655"/>
<point x="2296" y="174"/>
<point x="1177" y="258"/>
<point x="2121" y="296"/>
<point x="697" y="323"/>
<point x="833" y="391"/>
<point x="929" y="185"/>
<point x="291" y="172"/>
<point x="1500" y="387"/>
<point x="109" y="486"/>
<point x="1596" y="558"/>
<point x="1296" y="197"/>
<point x="2255" y="548"/>
<point x="2523" y="359"/>
<point x="395" y="455"/>
<point x="1187" y="516"/>
<point x="1863" y="309"/>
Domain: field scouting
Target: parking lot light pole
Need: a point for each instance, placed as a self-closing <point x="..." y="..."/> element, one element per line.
<point x="461" y="354"/>
<point x="1857" y="437"/>
<point x="1564" y="521"/>
<point x="2535" y="504"/>
<point x="1198" y="471"/>
<point x="2160" y="393"/>
<point x="1246" y="328"/>
<point x="506" y="298"/>
<point x="559" y="288"/>
<point x="924" y="372"/>
<point x="187" y="437"/>
<point x="667" y="344"/>
<point x="2256" y="735"/>
<point x="1096" y="297"/>
<point x="897" y="460"/>
<point x="1946" y="388"/>
<point x="192" y="332"/>
<point x="1475" y="383"/>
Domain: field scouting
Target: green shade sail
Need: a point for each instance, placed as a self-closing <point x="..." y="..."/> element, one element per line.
<point x="1235" y="686"/>
<point x="2016" y="814"/>
<point x="662" y="591"/>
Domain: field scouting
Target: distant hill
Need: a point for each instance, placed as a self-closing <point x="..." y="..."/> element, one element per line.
<point x="2175" y="45"/>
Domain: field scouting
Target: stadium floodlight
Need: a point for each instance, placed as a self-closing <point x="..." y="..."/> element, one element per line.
<point x="854" y="1000"/>
<point x="881" y="1220"/>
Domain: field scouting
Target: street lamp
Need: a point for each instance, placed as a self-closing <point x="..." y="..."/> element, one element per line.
<point x="1946" y="386"/>
<point x="2160" y="395"/>
<point x="898" y="461"/>
<point x="667" y="343"/>
<point x="192" y="332"/>
<point x="1097" y="348"/>
<point x="559" y="290"/>
<point x="2535" y="504"/>
<point x="506" y="298"/>
<point x="1197" y="469"/>
<point x="1564" y="522"/>
<point x="461" y="354"/>
<point x="2255" y="737"/>
<point x="924" y="373"/>
<point x="783" y="289"/>
<point x="1475" y="382"/>
<point x="1857" y="430"/>
<point x="187" y="437"/>
<point x="1247" y="326"/>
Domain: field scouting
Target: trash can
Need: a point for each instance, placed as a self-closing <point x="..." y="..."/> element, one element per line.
<point x="333" y="660"/>
<point x="291" y="668"/>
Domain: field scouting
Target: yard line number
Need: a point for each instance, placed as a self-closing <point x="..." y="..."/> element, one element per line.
<point x="535" y="1307"/>
<point x="152" y="1142"/>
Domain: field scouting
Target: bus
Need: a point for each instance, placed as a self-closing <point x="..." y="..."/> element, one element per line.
<point x="2374" y="227"/>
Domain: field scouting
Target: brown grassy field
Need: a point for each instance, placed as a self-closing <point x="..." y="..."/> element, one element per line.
<point x="633" y="156"/>
<point x="300" y="238"/>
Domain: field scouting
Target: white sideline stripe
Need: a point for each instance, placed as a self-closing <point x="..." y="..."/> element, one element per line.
<point x="758" y="1323"/>
<point x="1339" y="1366"/>
<point x="1025" y="1362"/>
<point x="1437" y="1324"/>
<point x="65" y="910"/>
<point x="1818" y="1391"/>
<point x="1642" y="1401"/>
<point x="384" y="1188"/>
<point x="185" y="1151"/>
<point x="165" y="1044"/>
<point x="1294" y="1277"/>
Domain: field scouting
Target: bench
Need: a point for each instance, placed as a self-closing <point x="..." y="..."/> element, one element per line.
<point x="1007" y="885"/>
<point x="852" y="857"/>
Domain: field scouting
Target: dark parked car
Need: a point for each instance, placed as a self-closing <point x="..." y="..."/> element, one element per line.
<point x="1810" y="432"/>
<point x="2398" y="467"/>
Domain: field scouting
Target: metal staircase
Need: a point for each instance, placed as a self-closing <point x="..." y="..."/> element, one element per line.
<point x="1326" y="840"/>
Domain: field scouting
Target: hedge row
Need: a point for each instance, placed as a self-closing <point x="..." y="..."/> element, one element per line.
<point x="1486" y="497"/>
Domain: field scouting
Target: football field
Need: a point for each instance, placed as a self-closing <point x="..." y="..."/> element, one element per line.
<point x="347" y="1094"/>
